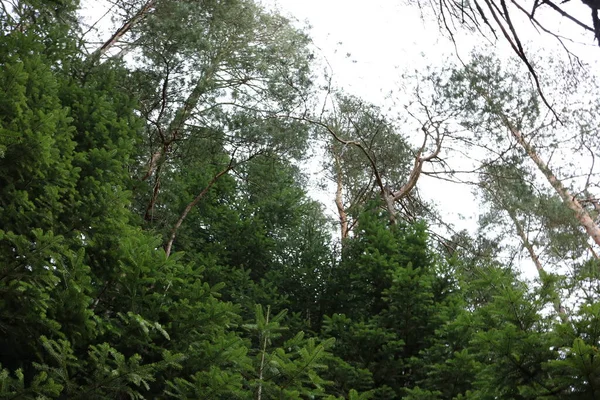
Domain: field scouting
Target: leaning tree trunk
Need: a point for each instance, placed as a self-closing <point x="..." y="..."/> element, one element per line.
<point x="126" y="27"/>
<point x="570" y="200"/>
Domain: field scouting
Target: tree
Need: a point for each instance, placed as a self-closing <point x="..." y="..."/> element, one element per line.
<point x="496" y="107"/>
<point x="370" y="158"/>
<point x="91" y="306"/>
<point x="107" y="293"/>
<point x="547" y="231"/>
<point x="387" y="298"/>
<point x="215" y="75"/>
<point x="53" y="267"/>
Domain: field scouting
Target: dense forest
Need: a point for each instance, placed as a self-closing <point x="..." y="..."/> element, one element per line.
<point x="157" y="237"/>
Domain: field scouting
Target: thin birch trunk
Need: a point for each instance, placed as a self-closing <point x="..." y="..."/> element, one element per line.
<point x="262" y="359"/>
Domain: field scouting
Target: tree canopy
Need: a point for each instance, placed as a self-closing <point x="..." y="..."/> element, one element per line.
<point x="158" y="238"/>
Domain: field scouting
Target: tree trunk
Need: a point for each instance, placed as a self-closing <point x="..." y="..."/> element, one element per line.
<point x="149" y="214"/>
<point x="389" y="200"/>
<point x="152" y="165"/>
<point x="536" y="260"/>
<point x="568" y="198"/>
<point x="339" y="201"/>
<point x="141" y="14"/>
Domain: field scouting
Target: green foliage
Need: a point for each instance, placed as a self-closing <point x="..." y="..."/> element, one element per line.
<point x="256" y="303"/>
<point x="292" y="370"/>
<point x="41" y="386"/>
<point x="393" y="300"/>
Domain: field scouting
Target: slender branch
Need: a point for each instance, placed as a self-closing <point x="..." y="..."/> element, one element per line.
<point x="191" y="205"/>
<point x="536" y="24"/>
<point x="518" y="49"/>
<point x="566" y="15"/>
<point x="590" y="173"/>
<point x="357" y="144"/>
<point x="149" y="215"/>
<point x="97" y="21"/>
<point x="483" y="16"/>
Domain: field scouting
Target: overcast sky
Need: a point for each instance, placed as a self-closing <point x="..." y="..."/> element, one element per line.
<point x="369" y="46"/>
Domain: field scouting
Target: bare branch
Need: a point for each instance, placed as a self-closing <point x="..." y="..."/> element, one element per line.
<point x="518" y="49"/>
<point x="566" y="15"/>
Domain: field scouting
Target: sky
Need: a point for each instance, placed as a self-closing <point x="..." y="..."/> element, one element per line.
<point x="370" y="45"/>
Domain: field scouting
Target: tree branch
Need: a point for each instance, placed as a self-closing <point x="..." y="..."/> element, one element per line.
<point x="188" y="208"/>
<point x="141" y="14"/>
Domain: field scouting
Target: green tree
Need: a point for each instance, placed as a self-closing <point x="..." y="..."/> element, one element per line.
<point x="494" y="100"/>
<point x="51" y="269"/>
<point x="215" y="81"/>
<point x="86" y="295"/>
<point x="388" y="297"/>
<point x="371" y="159"/>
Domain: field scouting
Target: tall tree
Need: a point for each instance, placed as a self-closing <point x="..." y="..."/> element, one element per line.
<point x="371" y="158"/>
<point x="498" y="107"/>
<point x="217" y="75"/>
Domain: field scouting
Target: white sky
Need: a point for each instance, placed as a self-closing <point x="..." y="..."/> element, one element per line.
<point x="370" y="44"/>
